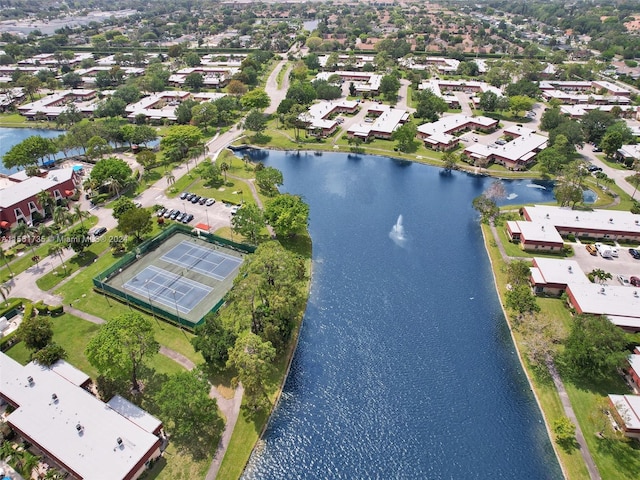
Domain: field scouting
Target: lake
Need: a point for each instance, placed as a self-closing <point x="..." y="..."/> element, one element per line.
<point x="12" y="136"/>
<point x="405" y="367"/>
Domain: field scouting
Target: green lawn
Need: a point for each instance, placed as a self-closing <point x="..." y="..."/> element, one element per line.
<point x="229" y="193"/>
<point x="176" y="465"/>
<point x="616" y="456"/>
<point x="75" y="263"/>
<point x="73" y="334"/>
<point x="543" y="387"/>
<point x="21" y="263"/>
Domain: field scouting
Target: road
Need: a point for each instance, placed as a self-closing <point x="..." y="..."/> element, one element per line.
<point x="277" y="94"/>
<point x="617" y="175"/>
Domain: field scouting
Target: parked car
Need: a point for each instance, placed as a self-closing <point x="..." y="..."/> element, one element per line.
<point x="501" y="142"/>
<point x="195" y="199"/>
<point x="202" y="201"/>
<point x="99" y="231"/>
<point x="161" y="212"/>
<point x="184" y="195"/>
<point x="138" y="204"/>
<point x="187" y="218"/>
<point x="591" y="249"/>
<point x="623" y="279"/>
<point x="190" y="196"/>
<point x="596" y="149"/>
<point x="174" y="214"/>
<point x="634" y="253"/>
<point x="235" y="209"/>
<point x="594" y="168"/>
<point x="210" y="202"/>
<point x="180" y="217"/>
<point x="168" y="213"/>
<point x="635" y="281"/>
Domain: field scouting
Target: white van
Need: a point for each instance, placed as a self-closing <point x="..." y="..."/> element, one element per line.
<point x="604" y="250"/>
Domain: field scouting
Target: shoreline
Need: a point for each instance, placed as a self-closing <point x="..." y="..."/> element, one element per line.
<point x="521" y="358"/>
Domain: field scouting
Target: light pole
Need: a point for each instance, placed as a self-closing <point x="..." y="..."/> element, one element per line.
<point x="153" y="312"/>
<point x="173" y="292"/>
<point x="184" y="205"/>
<point x="124" y="290"/>
<point x="206" y="211"/>
<point x="104" y="292"/>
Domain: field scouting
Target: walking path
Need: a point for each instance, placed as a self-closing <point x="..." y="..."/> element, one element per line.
<point x="559" y="384"/>
<point x="568" y="410"/>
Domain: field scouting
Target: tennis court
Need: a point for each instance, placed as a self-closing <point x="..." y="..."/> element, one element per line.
<point x="168" y="288"/>
<point x="185" y="276"/>
<point x="203" y="260"/>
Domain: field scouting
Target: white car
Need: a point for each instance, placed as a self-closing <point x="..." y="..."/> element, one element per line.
<point x="210" y="202"/>
<point x="624" y="280"/>
<point x="235" y="209"/>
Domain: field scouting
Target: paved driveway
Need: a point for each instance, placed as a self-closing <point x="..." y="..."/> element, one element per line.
<point x="625" y="264"/>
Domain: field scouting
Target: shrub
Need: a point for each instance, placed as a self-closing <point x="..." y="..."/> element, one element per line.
<point x="56" y="310"/>
<point x="12" y="304"/>
<point x="571" y="237"/>
<point x="41" y="308"/>
<point x="9" y="341"/>
<point x="49" y="355"/>
<point x="28" y="311"/>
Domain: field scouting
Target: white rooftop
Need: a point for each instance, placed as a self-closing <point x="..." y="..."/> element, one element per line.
<point x="610" y="300"/>
<point x="70" y="373"/>
<point x="630" y="151"/>
<point x="558" y="271"/>
<point x="634" y="362"/>
<point x="540" y="232"/>
<point x="74" y="426"/>
<point x="603" y="220"/>
<point x="28" y="188"/>
<point x="628" y="407"/>
<point x="135" y="414"/>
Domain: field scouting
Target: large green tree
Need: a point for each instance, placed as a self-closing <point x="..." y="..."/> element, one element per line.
<point x="78" y="239"/>
<point x="266" y="296"/>
<point x="248" y="222"/>
<point x="253" y="359"/>
<point x="214" y="339"/>
<point x="179" y="140"/>
<point x="595" y="348"/>
<point x="268" y="179"/>
<point x="188" y="413"/>
<point x="36" y="332"/>
<point x="121" y="347"/>
<point x="111" y="168"/>
<point x="256" y="99"/>
<point x="136" y="222"/>
<point x="287" y="214"/>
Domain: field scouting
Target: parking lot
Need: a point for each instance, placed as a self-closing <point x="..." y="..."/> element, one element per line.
<point x="625" y="264"/>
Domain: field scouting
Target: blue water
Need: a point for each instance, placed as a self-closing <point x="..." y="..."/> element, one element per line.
<point x="405" y="367"/>
<point x="12" y="136"/>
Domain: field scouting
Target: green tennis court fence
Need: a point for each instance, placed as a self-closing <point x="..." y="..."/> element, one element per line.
<point x="151" y="244"/>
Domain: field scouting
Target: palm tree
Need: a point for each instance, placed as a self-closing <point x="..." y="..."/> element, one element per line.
<point x="44" y="231"/>
<point x="46" y="201"/>
<point x="5" y="288"/>
<point x="56" y="249"/>
<point x="114" y="186"/>
<point x="224" y="167"/>
<point x="79" y="213"/>
<point x="61" y="216"/>
<point x="3" y="257"/>
<point x="601" y="275"/>
<point x="170" y="177"/>
<point x="196" y="151"/>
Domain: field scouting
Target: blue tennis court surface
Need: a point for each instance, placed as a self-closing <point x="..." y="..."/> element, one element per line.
<point x="166" y="288"/>
<point x="202" y="260"/>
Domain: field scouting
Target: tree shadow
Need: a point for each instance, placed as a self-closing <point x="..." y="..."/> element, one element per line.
<point x="624" y="452"/>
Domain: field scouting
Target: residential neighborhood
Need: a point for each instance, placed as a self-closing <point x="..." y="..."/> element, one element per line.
<point x="153" y="249"/>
